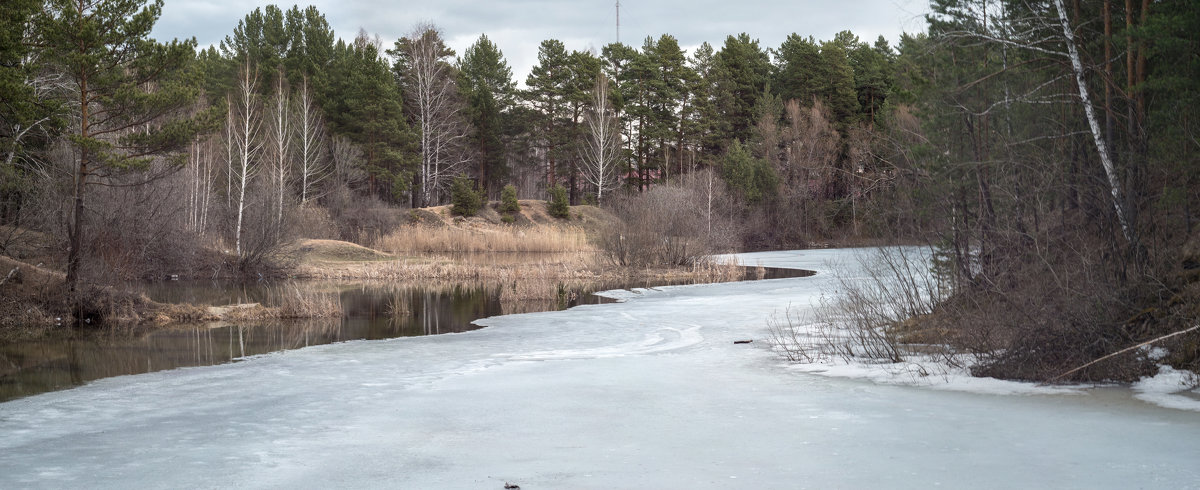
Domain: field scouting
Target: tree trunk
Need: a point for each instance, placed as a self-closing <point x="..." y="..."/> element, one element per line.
<point x="1110" y="171"/>
<point x="74" y="253"/>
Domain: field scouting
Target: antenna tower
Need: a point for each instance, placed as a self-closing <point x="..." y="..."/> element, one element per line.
<point x="618" y="21"/>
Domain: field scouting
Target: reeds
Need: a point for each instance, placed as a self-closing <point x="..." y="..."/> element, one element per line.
<point x="303" y="302"/>
<point x="563" y="265"/>
<point x="419" y="239"/>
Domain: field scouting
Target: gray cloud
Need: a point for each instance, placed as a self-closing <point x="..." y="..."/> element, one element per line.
<point x="518" y="26"/>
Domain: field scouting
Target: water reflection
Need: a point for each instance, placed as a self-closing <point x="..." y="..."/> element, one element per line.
<point x="369" y="311"/>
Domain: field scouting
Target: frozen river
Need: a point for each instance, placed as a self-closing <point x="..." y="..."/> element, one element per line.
<point x="648" y="393"/>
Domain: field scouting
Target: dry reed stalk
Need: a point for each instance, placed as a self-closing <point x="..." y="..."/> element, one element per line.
<point x="418" y="239"/>
<point x="309" y="303"/>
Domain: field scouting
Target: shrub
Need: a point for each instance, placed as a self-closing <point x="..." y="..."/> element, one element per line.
<point x="558" y="206"/>
<point x="670" y="225"/>
<point x="508" y="201"/>
<point x="466" y="201"/>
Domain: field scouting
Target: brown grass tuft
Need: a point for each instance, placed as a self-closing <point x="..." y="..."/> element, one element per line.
<point x="483" y="239"/>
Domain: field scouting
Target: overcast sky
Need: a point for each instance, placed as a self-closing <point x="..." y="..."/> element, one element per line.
<point x="517" y="26"/>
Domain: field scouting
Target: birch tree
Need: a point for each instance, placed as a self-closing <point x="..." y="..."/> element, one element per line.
<point x="1110" y="171"/>
<point x="281" y="142"/>
<point x="1045" y="32"/>
<point x="246" y="141"/>
<point x="201" y="175"/>
<point x="314" y="164"/>
<point x="602" y="145"/>
<point x="428" y="78"/>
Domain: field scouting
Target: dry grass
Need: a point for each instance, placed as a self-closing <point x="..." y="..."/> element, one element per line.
<point x="302" y="302"/>
<point x="334" y="251"/>
<point x="484" y="239"/>
<point x="574" y="265"/>
<point x="23" y="286"/>
<point x="292" y="302"/>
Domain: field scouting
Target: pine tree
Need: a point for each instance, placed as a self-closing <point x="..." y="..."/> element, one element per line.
<point x="486" y="82"/>
<point x="797" y="62"/>
<point x="124" y="81"/>
<point x="547" y="90"/>
<point x="28" y="117"/>
<point x="748" y="68"/>
<point x="364" y="104"/>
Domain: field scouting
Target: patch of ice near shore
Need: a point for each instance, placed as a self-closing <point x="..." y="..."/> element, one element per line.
<point x="1170" y="388"/>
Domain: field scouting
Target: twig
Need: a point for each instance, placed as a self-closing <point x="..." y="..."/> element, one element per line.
<point x="1122" y="351"/>
<point x="9" y="276"/>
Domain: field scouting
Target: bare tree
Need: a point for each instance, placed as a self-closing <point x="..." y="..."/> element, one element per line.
<point x="600" y="151"/>
<point x="345" y="157"/>
<point x="247" y="119"/>
<point x="314" y="165"/>
<point x="281" y="141"/>
<point x="423" y="67"/>
<point x="201" y="174"/>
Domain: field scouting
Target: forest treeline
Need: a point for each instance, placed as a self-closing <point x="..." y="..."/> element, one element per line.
<point x="1046" y="149"/>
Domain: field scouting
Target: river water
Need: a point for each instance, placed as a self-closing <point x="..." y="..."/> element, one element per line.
<point x="370" y="311"/>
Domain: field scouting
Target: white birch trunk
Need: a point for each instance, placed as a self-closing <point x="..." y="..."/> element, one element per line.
<point x="282" y="136"/>
<point x="313" y="168"/>
<point x="1110" y="171"/>
<point x="248" y="144"/>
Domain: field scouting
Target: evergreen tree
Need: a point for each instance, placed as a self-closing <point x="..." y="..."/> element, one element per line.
<point x="585" y="68"/>
<point x="365" y="105"/>
<point x="872" y="78"/>
<point x="750" y="177"/>
<point x="465" y="201"/>
<point x="558" y="206"/>
<point x="835" y="84"/>
<point x="29" y="116"/>
<point x="706" y="125"/>
<point x="796" y="69"/>
<point x="547" y="89"/>
<point x="667" y="95"/>
<point x="509" y="206"/>
<point x="129" y="90"/>
<point x="748" y="68"/>
<point x="486" y="82"/>
<point x="310" y="48"/>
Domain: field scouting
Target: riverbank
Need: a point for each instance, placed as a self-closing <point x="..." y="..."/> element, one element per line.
<point x="534" y="257"/>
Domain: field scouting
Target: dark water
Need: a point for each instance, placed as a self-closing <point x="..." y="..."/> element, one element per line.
<point x="369" y="311"/>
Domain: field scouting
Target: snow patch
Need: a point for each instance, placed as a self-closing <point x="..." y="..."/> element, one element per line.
<point x="1170" y="388"/>
<point x="929" y="373"/>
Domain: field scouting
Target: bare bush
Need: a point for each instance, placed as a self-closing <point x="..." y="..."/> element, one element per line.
<point x="671" y="225"/>
<point x="862" y="318"/>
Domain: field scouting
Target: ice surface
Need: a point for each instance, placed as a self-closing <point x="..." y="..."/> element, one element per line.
<point x="647" y="393"/>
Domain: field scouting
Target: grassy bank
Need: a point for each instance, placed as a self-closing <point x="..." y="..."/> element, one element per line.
<point x="531" y="257"/>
